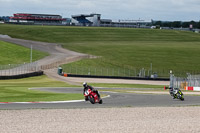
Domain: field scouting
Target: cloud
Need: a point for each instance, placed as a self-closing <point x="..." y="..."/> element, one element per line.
<point x="114" y="9"/>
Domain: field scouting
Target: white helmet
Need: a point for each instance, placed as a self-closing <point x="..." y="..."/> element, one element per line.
<point x="84" y="84"/>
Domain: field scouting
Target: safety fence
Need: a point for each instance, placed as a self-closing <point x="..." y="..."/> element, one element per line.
<point x="38" y="73"/>
<point x="123" y="72"/>
<point x="26" y="68"/>
<point x="189" y="81"/>
<point x="18" y="69"/>
<point x="119" y="72"/>
<point x="194" y="80"/>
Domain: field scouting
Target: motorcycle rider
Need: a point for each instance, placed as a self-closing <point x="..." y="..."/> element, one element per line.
<point x="86" y="87"/>
<point x="172" y="92"/>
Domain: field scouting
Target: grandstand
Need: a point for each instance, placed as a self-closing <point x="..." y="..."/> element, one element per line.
<point x="36" y="18"/>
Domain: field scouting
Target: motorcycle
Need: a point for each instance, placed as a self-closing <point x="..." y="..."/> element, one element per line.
<point x="92" y="97"/>
<point x="176" y="93"/>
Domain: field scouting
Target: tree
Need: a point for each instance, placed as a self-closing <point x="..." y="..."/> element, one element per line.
<point x="158" y="23"/>
<point x="194" y="24"/>
<point x="185" y="24"/>
<point x="176" y="24"/>
<point x="198" y="25"/>
<point x="166" y="24"/>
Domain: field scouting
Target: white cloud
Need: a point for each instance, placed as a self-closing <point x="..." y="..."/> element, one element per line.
<point x="114" y="9"/>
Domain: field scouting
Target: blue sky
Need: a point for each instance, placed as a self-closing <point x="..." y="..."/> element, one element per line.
<point x="180" y="10"/>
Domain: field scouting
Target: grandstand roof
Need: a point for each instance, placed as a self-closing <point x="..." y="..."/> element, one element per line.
<point x="84" y="15"/>
<point x="36" y="14"/>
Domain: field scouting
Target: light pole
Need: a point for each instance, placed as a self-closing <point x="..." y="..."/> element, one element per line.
<point x="31" y="56"/>
<point x="171" y="79"/>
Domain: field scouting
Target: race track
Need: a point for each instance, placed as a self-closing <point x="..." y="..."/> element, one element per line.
<point x="114" y="100"/>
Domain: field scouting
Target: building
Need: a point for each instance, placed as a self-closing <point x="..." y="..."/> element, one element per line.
<point x="95" y="20"/>
<point x="106" y="22"/>
<point x="92" y="19"/>
<point x="86" y="20"/>
<point x="66" y="21"/>
<point x="131" y="23"/>
<point x="36" y="19"/>
<point x="4" y="19"/>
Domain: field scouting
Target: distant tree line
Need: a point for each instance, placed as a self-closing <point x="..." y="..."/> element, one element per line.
<point x="177" y="24"/>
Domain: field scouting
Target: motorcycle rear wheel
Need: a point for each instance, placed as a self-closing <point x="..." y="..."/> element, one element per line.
<point x="101" y="101"/>
<point x="182" y="99"/>
<point x="92" y="100"/>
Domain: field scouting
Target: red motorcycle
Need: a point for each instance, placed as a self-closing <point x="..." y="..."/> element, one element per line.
<point x="92" y="97"/>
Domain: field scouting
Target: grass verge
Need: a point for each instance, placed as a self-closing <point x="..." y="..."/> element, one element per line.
<point x="15" y="54"/>
<point x="17" y="90"/>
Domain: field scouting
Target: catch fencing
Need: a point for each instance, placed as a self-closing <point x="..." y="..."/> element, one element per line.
<point x="128" y="72"/>
<point x="194" y="80"/>
<point x="18" y="69"/>
<point x="119" y="72"/>
<point x="26" y="68"/>
<point x="189" y="81"/>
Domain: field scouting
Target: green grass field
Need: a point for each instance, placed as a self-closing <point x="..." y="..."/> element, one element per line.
<point x="15" y="54"/>
<point x="120" y="47"/>
<point x="17" y="90"/>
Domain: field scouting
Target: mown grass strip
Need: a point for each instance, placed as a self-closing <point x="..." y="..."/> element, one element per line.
<point x="17" y="90"/>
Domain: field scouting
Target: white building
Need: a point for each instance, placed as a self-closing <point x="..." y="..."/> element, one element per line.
<point x="86" y="20"/>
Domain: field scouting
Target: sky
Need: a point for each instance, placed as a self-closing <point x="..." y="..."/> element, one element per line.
<point x="165" y="10"/>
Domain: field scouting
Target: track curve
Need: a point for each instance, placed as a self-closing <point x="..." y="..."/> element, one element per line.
<point x="115" y="100"/>
<point x="57" y="54"/>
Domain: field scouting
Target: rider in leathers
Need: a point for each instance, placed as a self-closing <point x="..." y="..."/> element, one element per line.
<point x="86" y="87"/>
<point x="172" y="92"/>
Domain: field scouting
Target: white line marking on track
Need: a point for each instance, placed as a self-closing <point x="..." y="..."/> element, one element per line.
<point x="70" y="101"/>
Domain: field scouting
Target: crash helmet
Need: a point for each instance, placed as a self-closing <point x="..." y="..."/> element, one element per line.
<point x="84" y="84"/>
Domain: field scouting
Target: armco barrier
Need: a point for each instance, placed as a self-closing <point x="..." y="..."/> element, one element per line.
<point x="39" y="73"/>
<point x="117" y="77"/>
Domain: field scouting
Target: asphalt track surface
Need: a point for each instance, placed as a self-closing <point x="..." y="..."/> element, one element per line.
<point x="114" y="100"/>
